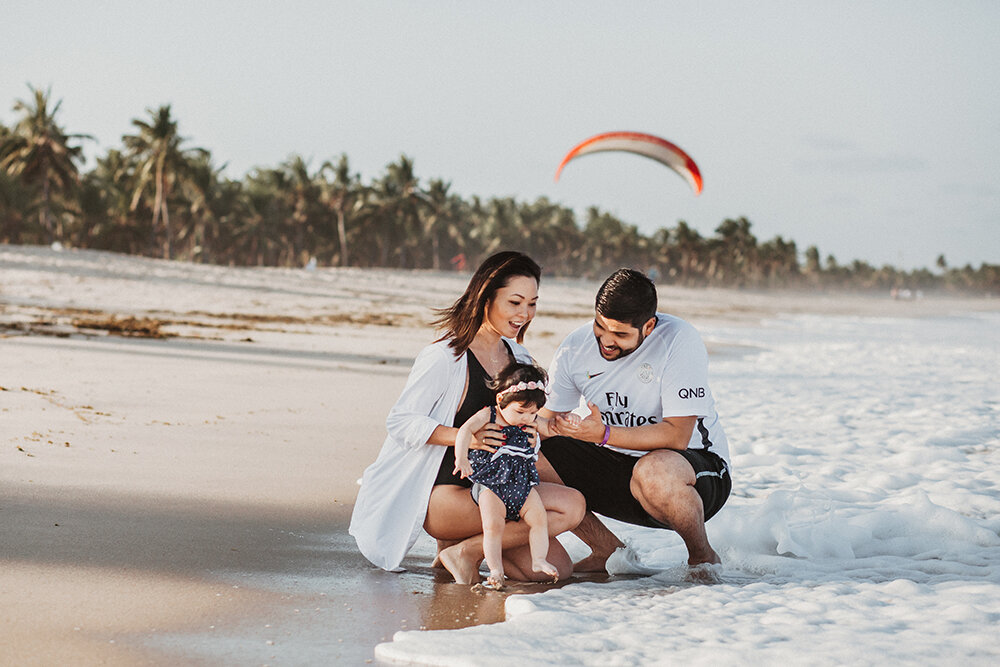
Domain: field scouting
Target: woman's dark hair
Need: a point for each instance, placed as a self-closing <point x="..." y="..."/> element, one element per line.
<point x="462" y="320"/>
<point x="627" y="296"/>
<point x="515" y="373"/>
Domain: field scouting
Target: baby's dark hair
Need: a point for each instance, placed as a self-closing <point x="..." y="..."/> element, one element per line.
<point x="508" y="380"/>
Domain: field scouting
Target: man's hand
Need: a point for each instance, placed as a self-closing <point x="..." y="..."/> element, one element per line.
<point x="590" y="428"/>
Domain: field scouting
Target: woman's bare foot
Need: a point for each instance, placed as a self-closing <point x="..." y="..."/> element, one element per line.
<point x="542" y="565"/>
<point x="442" y="545"/>
<point x="461" y="563"/>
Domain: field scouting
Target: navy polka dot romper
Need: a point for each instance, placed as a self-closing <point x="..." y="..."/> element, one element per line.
<point x="509" y="472"/>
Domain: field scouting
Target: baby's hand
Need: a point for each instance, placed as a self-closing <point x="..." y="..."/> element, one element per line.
<point x="464" y="468"/>
<point x="573" y="419"/>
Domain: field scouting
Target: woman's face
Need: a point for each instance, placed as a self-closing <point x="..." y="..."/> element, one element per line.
<point x="512" y="306"/>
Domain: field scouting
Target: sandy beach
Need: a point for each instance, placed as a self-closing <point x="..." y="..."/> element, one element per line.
<point x="180" y="444"/>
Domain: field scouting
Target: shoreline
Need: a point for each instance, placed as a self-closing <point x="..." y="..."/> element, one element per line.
<point x="186" y="498"/>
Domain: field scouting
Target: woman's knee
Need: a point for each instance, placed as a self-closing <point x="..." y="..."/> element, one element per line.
<point x="564" y="501"/>
<point x="452" y="514"/>
<point x="575" y="507"/>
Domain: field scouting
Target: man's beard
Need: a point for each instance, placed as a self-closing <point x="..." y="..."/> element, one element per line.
<point x="621" y="352"/>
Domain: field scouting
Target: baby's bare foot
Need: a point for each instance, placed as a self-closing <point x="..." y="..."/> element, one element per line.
<point x="542" y="565"/>
<point x="494" y="581"/>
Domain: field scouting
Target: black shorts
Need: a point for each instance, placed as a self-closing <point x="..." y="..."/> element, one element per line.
<point x="604" y="477"/>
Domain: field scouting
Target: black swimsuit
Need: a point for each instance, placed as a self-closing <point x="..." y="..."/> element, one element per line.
<point x="478" y="396"/>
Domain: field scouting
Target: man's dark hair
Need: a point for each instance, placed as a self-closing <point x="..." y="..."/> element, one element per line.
<point x="627" y="296"/>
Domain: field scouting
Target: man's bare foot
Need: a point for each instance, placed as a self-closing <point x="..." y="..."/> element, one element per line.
<point x="704" y="568"/>
<point x="542" y="565"/>
<point x="704" y="573"/>
<point x="462" y="565"/>
<point x="593" y="563"/>
<point x="707" y="557"/>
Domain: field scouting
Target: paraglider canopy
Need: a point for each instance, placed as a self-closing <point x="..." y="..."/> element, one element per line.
<point x="648" y="145"/>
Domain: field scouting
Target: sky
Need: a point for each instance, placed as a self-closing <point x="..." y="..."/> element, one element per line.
<point x="868" y="129"/>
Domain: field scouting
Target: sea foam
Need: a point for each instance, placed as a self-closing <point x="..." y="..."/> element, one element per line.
<point x="862" y="529"/>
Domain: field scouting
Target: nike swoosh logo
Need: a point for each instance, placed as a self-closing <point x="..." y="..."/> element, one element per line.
<point x="591" y="376"/>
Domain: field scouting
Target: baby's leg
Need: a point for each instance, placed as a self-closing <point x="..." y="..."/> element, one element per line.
<point x="533" y="514"/>
<point x="494" y="515"/>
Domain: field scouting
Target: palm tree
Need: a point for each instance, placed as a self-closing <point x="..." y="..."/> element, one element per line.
<point x="690" y="247"/>
<point x="395" y="216"/>
<point x="262" y="231"/>
<point x="734" y="253"/>
<point x="105" y="198"/>
<point x="38" y="152"/>
<point x="202" y="189"/>
<point x="162" y="163"/>
<point x="558" y="240"/>
<point x="301" y="193"/>
<point x="341" y="195"/>
<point x="610" y="242"/>
<point x="778" y="261"/>
<point x="14" y="200"/>
<point x="441" y="218"/>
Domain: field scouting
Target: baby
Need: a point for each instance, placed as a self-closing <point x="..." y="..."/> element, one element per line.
<point x="505" y="480"/>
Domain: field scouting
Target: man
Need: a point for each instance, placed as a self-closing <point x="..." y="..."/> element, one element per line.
<point x="652" y="451"/>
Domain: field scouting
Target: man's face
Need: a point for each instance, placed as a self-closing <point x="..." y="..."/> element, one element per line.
<point x="619" y="339"/>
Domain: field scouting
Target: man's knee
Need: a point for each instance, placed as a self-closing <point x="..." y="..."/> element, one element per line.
<point x="663" y="469"/>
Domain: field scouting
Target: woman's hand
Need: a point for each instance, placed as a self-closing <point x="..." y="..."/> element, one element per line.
<point x="490" y="437"/>
<point x="531" y="430"/>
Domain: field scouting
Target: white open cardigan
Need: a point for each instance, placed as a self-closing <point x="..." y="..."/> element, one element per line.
<point x="392" y="502"/>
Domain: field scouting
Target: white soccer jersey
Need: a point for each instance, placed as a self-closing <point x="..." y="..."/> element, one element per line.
<point x="666" y="377"/>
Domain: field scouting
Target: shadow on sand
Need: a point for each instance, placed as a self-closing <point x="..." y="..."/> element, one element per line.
<point x="326" y="602"/>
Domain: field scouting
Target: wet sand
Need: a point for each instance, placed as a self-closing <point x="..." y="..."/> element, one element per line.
<point x="194" y="517"/>
<point x="180" y="444"/>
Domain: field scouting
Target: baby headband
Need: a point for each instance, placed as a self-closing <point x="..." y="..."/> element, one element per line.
<point x="521" y="386"/>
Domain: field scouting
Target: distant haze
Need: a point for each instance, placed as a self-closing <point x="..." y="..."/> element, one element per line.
<point x="867" y="129"/>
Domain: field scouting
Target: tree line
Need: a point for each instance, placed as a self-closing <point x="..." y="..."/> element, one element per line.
<point x="158" y="196"/>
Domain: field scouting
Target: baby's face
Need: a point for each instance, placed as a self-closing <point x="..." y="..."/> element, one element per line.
<point x="519" y="414"/>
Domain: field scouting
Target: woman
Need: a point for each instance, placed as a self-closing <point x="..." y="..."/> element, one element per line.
<point x="412" y="484"/>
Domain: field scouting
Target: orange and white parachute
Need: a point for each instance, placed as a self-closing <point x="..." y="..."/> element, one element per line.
<point x="648" y="145"/>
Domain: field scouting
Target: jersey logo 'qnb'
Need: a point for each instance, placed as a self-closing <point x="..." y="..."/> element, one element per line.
<point x="691" y="392"/>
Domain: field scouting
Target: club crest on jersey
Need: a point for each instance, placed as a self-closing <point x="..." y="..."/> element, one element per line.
<point x="645" y="374"/>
